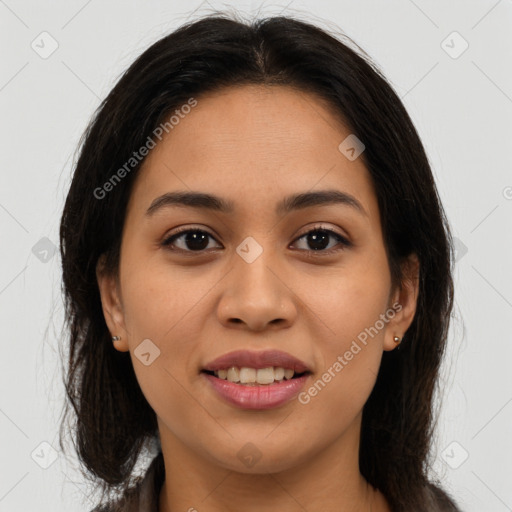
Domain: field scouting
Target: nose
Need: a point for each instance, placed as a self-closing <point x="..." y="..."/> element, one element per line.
<point x="256" y="296"/>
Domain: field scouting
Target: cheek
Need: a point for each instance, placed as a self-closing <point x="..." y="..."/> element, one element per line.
<point x="338" y="396"/>
<point x="160" y="306"/>
<point x="348" y="299"/>
<point x="351" y="304"/>
<point x="159" y="298"/>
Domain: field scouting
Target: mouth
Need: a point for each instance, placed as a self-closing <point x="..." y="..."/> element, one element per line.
<point x="251" y="368"/>
<point x="247" y="376"/>
<point x="256" y="380"/>
<point x="256" y="396"/>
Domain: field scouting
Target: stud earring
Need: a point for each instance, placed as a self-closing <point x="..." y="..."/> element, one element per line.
<point x="396" y="339"/>
<point x="115" y="338"/>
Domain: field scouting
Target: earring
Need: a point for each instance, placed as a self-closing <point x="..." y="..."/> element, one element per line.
<point x="115" y="338"/>
<point x="397" y="340"/>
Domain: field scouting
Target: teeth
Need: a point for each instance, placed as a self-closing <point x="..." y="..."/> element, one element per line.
<point x="265" y="375"/>
<point x="253" y="376"/>
<point x="233" y="374"/>
<point x="247" y="375"/>
<point x="279" y="373"/>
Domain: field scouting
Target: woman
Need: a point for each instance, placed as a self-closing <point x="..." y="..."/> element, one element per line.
<point x="257" y="275"/>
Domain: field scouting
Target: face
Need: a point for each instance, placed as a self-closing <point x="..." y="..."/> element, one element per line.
<point x="311" y="281"/>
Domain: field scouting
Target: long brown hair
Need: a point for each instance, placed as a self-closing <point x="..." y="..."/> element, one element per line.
<point x="112" y="417"/>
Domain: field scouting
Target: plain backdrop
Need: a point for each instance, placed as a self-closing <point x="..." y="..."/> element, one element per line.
<point x="450" y="62"/>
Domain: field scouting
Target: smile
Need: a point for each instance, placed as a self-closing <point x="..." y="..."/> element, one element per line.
<point x="253" y="395"/>
<point x="255" y="376"/>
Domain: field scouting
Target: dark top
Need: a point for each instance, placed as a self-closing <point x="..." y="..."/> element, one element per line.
<point x="144" y="496"/>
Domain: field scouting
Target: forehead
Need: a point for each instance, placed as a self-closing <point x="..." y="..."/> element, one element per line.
<point x="253" y="142"/>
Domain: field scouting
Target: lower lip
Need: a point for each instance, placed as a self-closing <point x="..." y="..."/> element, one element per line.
<point x="260" y="396"/>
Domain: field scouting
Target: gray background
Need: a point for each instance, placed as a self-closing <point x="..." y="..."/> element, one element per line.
<point x="461" y="104"/>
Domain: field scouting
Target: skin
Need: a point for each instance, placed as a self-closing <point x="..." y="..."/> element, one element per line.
<point x="255" y="145"/>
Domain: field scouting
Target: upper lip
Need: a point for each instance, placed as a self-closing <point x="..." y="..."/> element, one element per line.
<point x="264" y="359"/>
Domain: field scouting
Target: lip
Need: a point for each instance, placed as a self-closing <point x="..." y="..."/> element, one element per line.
<point x="264" y="359"/>
<point x="263" y="396"/>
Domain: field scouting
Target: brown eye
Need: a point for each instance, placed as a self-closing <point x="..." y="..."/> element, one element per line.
<point x="319" y="240"/>
<point x="190" y="240"/>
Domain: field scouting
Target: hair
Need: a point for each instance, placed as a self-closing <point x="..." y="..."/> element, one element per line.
<point x="113" y="420"/>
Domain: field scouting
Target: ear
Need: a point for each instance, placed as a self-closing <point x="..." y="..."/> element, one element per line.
<point x="112" y="305"/>
<point x="403" y="302"/>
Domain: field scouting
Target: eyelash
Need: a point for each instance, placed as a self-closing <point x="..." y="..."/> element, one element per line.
<point x="310" y="253"/>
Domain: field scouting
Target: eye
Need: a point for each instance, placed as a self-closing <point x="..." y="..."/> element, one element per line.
<point x="197" y="240"/>
<point x="318" y="240"/>
<point x="191" y="240"/>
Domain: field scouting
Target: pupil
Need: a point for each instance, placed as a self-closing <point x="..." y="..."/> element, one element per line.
<point x="318" y="241"/>
<point x="196" y="240"/>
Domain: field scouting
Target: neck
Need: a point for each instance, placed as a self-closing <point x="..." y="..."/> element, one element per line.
<point x="330" y="480"/>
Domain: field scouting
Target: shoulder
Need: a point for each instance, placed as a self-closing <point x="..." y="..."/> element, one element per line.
<point x="143" y="496"/>
<point x="439" y="500"/>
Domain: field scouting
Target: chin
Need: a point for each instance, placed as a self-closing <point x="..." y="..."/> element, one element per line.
<point x="259" y="457"/>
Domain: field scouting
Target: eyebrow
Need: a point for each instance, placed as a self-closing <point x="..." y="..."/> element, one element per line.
<point x="291" y="203"/>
